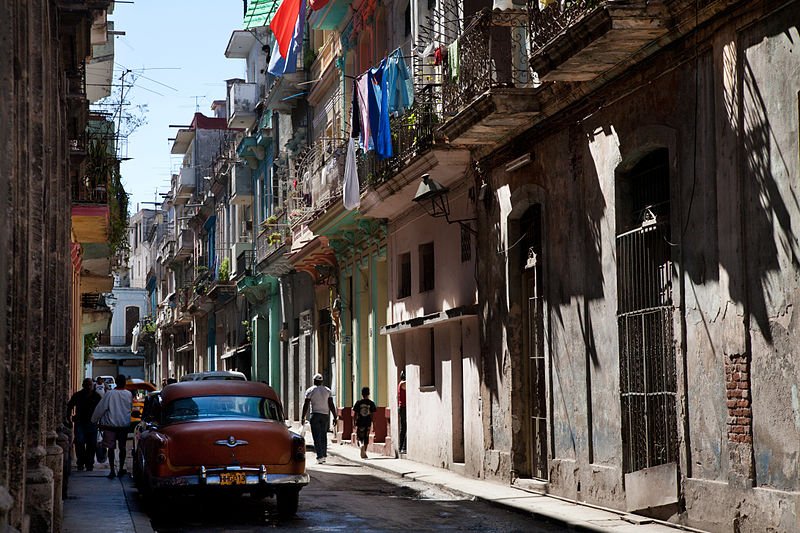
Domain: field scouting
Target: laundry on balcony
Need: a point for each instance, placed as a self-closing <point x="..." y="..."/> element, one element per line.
<point x="399" y="84"/>
<point x="452" y="59"/>
<point x="377" y="93"/>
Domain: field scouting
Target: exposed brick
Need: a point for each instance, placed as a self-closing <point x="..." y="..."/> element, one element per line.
<point x="731" y="404"/>
<point x="730" y="385"/>
<point x="735" y="393"/>
<point x="743" y="403"/>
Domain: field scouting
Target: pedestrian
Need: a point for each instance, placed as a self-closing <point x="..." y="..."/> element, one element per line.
<point x="364" y="409"/>
<point x="401" y="409"/>
<point x="319" y="399"/>
<point x="100" y="386"/>
<point x="113" y="415"/>
<point x="84" y="402"/>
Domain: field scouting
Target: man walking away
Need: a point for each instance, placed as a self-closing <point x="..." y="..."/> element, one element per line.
<point x="364" y="409"/>
<point x="113" y="415"/>
<point x="84" y="402"/>
<point x="319" y="399"/>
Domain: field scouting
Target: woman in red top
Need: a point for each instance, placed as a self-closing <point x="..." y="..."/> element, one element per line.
<point x="401" y="409"/>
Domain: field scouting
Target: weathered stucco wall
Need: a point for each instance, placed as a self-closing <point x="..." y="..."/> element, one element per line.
<point x="726" y="111"/>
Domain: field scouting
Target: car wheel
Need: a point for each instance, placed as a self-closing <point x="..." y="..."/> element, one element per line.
<point x="287" y="501"/>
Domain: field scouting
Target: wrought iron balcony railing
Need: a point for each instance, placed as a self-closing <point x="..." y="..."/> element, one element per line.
<point x="245" y="263"/>
<point x="412" y="134"/>
<point x="86" y="192"/>
<point x="493" y="52"/>
<point x="548" y="21"/>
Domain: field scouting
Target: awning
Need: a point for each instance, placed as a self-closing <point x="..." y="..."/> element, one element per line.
<point x="188" y="347"/>
<point x="259" y="13"/>
<point x="431" y="320"/>
<point x="116" y="356"/>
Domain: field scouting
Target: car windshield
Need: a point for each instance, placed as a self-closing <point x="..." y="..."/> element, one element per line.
<point x="221" y="407"/>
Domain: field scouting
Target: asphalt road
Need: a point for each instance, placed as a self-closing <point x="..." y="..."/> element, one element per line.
<point x="347" y="497"/>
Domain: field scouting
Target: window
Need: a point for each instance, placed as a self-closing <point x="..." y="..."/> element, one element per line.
<point x="404" y="276"/>
<point x="648" y="382"/>
<point x="131" y="319"/>
<point x="427" y="363"/>
<point x="466" y="244"/>
<point x="426" y="267"/>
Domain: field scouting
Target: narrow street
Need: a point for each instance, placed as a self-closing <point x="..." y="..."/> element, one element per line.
<point x="341" y="496"/>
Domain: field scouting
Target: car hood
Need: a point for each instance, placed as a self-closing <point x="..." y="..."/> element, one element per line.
<point x="209" y="443"/>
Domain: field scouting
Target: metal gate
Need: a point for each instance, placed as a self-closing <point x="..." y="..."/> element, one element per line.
<point x="647" y="347"/>
<point x="536" y="367"/>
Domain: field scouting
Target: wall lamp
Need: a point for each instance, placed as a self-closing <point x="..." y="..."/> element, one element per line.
<point x="432" y="196"/>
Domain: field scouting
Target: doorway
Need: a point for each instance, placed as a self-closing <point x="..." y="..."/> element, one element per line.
<point x="531" y="228"/>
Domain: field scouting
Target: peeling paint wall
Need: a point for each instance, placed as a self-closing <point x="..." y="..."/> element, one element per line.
<point x="727" y="112"/>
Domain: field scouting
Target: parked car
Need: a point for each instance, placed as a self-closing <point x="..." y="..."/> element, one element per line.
<point x="215" y="374"/>
<point x="219" y="436"/>
<point x="139" y="389"/>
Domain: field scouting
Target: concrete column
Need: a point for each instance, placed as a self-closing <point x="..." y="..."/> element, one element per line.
<point x="39" y="491"/>
<point x="16" y="392"/>
<point x="54" y="461"/>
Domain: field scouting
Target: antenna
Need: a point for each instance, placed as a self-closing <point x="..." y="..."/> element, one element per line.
<point x="197" y="98"/>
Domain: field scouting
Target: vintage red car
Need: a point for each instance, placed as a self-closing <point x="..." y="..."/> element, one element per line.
<point x="219" y="436"/>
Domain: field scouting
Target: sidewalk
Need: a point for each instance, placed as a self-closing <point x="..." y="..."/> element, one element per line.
<point x="96" y="504"/>
<point x="573" y="515"/>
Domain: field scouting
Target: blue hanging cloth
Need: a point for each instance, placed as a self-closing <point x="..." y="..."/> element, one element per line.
<point x="379" y="111"/>
<point x="399" y="83"/>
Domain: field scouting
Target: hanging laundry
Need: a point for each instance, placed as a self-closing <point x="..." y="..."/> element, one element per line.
<point x="428" y="49"/>
<point x="452" y="60"/>
<point x="437" y="56"/>
<point x="351" y="194"/>
<point x="400" y="87"/>
<point x="379" y="111"/>
<point x="287" y="25"/>
<point x="355" y="115"/>
<point x="362" y="86"/>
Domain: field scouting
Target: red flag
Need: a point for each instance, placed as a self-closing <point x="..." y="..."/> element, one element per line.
<point x="283" y="24"/>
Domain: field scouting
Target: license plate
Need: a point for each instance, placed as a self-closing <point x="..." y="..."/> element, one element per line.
<point x="232" y="478"/>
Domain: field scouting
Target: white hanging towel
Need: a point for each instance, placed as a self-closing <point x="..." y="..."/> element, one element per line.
<point x="351" y="197"/>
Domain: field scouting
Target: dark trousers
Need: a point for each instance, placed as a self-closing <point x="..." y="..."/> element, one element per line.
<point x="85" y="443"/>
<point x="319" y="430"/>
<point x="401" y="414"/>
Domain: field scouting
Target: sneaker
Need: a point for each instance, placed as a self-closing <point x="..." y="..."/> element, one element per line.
<point x="321" y="460"/>
<point x="111" y="475"/>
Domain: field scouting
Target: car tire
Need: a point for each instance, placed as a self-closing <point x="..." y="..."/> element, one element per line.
<point x="287" y="500"/>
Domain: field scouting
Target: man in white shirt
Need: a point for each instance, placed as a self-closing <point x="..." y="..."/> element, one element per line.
<point x="319" y="399"/>
<point x="113" y="417"/>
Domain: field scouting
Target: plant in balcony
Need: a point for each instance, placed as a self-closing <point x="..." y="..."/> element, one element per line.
<point x="271" y="220"/>
<point x="225" y="270"/>
<point x="274" y="238"/>
<point x="248" y="330"/>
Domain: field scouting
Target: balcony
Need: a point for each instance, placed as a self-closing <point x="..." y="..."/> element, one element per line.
<point x="245" y="263"/>
<point x="272" y="244"/>
<point x="241" y="184"/>
<point x="580" y="40"/>
<point x="494" y="95"/>
<point x="277" y="97"/>
<point x="184" y="244"/>
<point x="242" y="100"/>
<point x="391" y="183"/>
<point x="185" y="184"/>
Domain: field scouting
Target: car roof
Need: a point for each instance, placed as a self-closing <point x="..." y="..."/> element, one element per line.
<point x="214" y="374"/>
<point x="211" y="387"/>
<point x="139" y="384"/>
